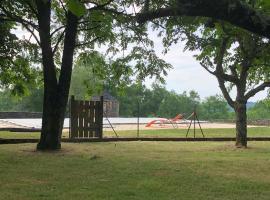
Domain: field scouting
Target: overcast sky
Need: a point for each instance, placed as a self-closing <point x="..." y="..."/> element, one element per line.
<point x="187" y="74"/>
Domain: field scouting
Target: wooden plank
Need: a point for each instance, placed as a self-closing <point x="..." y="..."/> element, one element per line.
<point x="71" y="110"/>
<point x="74" y="117"/>
<point x="101" y="116"/>
<point x="80" y="114"/>
<point x="86" y="119"/>
<point x="96" y="118"/>
<point x="91" y="118"/>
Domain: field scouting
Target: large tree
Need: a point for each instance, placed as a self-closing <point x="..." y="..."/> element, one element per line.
<point x="238" y="59"/>
<point x="61" y="29"/>
<point x="242" y="60"/>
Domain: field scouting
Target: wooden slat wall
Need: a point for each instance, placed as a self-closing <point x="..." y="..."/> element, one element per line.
<point x="86" y="118"/>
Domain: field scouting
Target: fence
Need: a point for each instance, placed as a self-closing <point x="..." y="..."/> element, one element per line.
<point x="255" y="122"/>
<point x="86" y="118"/>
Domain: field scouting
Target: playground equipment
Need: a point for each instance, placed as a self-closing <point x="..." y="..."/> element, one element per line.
<point x="164" y="122"/>
<point x="194" y="118"/>
<point x="175" y="121"/>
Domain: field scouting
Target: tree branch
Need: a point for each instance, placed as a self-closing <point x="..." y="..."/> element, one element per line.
<point x="12" y="17"/>
<point x="259" y="88"/>
<point x="98" y="5"/>
<point x="249" y="55"/>
<point x="64" y="8"/>
<point x="56" y="30"/>
<point x="110" y="10"/>
<point x="207" y="69"/>
<point x="87" y="43"/>
<point x="225" y="92"/>
<point x="236" y="12"/>
<point x="219" y="72"/>
<point x="90" y="28"/>
<point x="58" y="42"/>
<point x="31" y="7"/>
<point x="233" y="70"/>
<point x="32" y="32"/>
<point x="228" y="77"/>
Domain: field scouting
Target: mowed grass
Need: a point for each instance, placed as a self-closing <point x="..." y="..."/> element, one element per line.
<point x="136" y="171"/>
<point x="23" y="135"/>
<point x="211" y="132"/>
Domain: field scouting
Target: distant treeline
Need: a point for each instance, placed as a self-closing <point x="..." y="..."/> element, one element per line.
<point x="154" y="102"/>
<point x="160" y="102"/>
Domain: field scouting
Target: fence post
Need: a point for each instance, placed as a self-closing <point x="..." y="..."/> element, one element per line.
<point x="71" y="111"/>
<point x="101" y="117"/>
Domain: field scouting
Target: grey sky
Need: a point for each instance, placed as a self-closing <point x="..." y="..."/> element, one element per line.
<point x="187" y="73"/>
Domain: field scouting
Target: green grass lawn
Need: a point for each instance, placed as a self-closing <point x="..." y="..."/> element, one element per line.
<point x="211" y="132"/>
<point x="136" y="170"/>
<point x="217" y="132"/>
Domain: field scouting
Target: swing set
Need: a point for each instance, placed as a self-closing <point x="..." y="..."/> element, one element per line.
<point x="176" y="121"/>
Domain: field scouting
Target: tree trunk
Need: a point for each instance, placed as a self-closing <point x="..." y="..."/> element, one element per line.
<point x="241" y="124"/>
<point x="55" y="92"/>
<point x="50" y="138"/>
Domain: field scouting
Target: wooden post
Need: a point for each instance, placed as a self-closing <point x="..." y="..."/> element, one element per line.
<point x="80" y="119"/>
<point x="194" y="123"/>
<point x="71" y="117"/>
<point x="91" y="120"/>
<point x="138" y="120"/>
<point x="101" y="117"/>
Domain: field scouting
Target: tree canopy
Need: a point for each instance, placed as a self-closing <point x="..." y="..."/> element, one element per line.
<point x="241" y="13"/>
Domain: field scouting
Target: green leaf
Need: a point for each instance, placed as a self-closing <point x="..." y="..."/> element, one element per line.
<point x="76" y="7"/>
